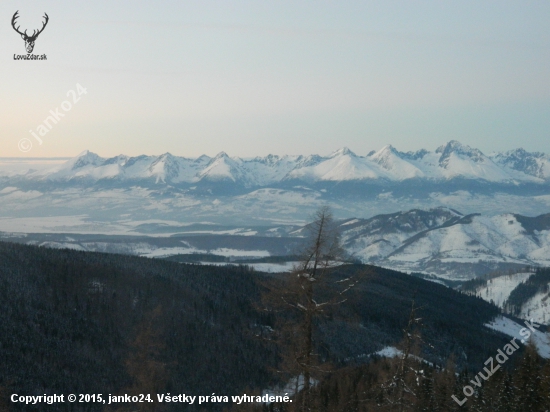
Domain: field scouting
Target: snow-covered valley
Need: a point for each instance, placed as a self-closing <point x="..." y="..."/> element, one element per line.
<point x="441" y="242"/>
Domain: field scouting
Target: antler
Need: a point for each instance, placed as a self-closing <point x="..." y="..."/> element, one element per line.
<point x="43" y="27"/>
<point x="15" y="16"/>
<point x="34" y="33"/>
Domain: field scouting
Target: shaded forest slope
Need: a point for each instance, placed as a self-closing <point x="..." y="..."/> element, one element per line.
<point x="81" y="322"/>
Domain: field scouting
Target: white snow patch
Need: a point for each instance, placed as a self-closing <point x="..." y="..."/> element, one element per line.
<point x="235" y="252"/>
<point x="537" y="308"/>
<point x="389" y="352"/>
<point x="512" y="329"/>
<point x="498" y="289"/>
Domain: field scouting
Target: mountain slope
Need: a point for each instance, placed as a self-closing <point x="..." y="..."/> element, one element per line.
<point x="534" y="164"/>
<point x="79" y="322"/>
<point x="524" y="294"/>
<point x="443" y="242"/>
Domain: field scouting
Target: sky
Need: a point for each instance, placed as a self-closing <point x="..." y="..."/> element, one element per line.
<point x="284" y="77"/>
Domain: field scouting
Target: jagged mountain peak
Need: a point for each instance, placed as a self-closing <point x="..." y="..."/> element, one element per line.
<point x="395" y="164"/>
<point x="203" y="158"/>
<point x="224" y="158"/>
<point x="86" y="154"/>
<point x="520" y="152"/>
<point x="165" y="168"/>
<point x="120" y="160"/>
<point x="384" y="153"/>
<point x="419" y="154"/>
<point x="269" y="160"/>
<point x="167" y="155"/>
<point x="451" y="145"/>
<point x="221" y="155"/>
<point x="385" y="157"/>
<point x="166" y="159"/>
<point x="222" y="167"/>
<point x="389" y="149"/>
<point x="455" y="147"/>
<point x="309" y="160"/>
<point x="531" y="163"/>
<point x="344" y="151"/>
<point x="86" y="158"/>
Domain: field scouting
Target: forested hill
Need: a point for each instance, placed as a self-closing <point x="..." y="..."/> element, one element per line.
<point x="80" y="322"/>
<point x="77" y="322"/>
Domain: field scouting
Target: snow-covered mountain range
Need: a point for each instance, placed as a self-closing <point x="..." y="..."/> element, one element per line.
<point x="91" y="194"/>
<point x="450" y="161"/>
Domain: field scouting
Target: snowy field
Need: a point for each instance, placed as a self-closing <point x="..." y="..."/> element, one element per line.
<point x="261" y="267"/>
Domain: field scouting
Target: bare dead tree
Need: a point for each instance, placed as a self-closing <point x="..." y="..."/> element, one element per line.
<point x="299" y="292"/>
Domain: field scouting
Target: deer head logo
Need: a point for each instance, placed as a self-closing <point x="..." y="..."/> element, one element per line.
<point x="29" y="40"/>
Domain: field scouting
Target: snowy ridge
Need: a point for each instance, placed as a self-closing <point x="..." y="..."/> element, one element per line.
<point x="535" y="164"/>
<point x="450" y="161"/>
<point x="498" y="289"/>
<point x="538" y="308"/>
<point x="433" y="241"/>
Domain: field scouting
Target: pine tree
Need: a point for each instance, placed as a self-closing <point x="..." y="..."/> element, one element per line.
<point x="444" y="384"/>
<point x="527" y="382"/>
<point x="545" y="386"/>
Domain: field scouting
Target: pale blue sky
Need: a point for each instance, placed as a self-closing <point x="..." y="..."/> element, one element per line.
<point x="283" y="77"/>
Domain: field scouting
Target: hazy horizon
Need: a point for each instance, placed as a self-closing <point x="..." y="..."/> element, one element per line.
<point x="323" y="154"/>
<point x="285" y="77"/>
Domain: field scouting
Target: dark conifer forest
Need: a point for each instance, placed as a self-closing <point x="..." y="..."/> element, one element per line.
<point x="80" y="322"/>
